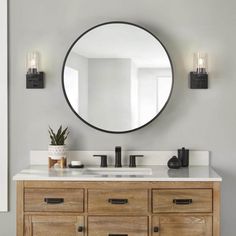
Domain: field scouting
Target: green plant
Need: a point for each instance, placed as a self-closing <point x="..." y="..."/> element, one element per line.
<point x="59" y="137"/>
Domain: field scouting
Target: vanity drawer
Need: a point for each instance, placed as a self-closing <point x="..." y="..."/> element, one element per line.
<point x="60" y="200"/>
<point x="118" y="200"/>
<point x="117" y="226"/>
<point x="182" y="200"/>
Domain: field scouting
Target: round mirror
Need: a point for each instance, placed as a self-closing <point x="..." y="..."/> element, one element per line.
<point x="117" y="77"/>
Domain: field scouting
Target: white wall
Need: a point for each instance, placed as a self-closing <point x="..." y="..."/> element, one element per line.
<point x="197" y="119"/>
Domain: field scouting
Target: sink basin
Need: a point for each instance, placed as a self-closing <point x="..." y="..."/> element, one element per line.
<point x="118" y="171"/>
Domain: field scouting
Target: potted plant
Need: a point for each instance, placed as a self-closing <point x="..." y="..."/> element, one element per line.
<point x="56" y="150"/>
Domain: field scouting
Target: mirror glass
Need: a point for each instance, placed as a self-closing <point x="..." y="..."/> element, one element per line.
<point x="117" y="77"/>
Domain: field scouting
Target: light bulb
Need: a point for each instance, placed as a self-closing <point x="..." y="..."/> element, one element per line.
<point x="32" y="62"/>
<point x="200" y="62"/>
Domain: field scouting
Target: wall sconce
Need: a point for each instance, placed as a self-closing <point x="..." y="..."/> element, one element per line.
<point x="34" y="77"/>
<point x="199" y="77"/>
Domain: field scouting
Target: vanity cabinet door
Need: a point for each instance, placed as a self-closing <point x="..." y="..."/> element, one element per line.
<point x="117" y="226"/>
<point x="179" y="225"/>
<point x="54" y="226"/>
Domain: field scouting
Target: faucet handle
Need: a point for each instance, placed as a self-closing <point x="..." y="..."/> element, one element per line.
<point x="103" y="160"/>
<point x="132" y="160"/>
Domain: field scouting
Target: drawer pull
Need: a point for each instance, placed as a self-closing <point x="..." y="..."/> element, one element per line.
<point x="117" y="234"/>
<point x="54" y="200"/>
<point x="156" y="229"/>
<point x="118" y="202"/>
<point x="80" y="229"/>
<point x="183" y="201"/>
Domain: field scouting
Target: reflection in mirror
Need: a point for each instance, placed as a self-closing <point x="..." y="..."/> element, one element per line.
<point x="117" y="77"/>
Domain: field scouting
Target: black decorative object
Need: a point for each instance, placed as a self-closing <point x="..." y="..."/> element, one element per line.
<point x="183" y="155"/>
<point x="198" y="78"/>
<point x="174" y="163"/>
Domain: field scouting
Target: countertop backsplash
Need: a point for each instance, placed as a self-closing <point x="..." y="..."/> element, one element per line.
<point x="196" y="158"/>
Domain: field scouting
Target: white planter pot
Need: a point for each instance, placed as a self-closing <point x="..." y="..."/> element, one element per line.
<point x="56" y="152"/>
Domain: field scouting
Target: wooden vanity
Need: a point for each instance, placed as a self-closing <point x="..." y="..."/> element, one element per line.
<point x="118" y="208"/>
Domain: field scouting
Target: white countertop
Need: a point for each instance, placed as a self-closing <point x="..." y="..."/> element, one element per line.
<point x="159" y="173"/>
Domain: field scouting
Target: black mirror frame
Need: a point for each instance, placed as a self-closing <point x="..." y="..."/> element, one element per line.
<point x="63" y="68"/>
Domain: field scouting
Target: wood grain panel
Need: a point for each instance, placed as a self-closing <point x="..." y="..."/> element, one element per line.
<point x="20" y="208"/>
<point x="54" y="226"/>
<point x="216" y="209"/>
<point x="89" y="200"/>
<point x="73" y="200"/>
<point x="163" y="200"/>
<point x="98" y="201"/>
<point x="187" y="225"/>
<point x="118" y="184"/>
<point x="125" y="225"/>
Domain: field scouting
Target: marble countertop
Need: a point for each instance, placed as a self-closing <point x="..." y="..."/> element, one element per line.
<point x="151" y="173"/>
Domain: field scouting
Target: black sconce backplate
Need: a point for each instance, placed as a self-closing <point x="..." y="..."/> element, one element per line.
<point x="35" y="81"/>
<point x="198" y="81"/>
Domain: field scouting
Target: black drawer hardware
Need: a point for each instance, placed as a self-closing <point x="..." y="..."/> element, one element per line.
<point x="54" y="200"/>
<point x="156" y="229"/>
<point x="117" y="234"/>
<point x="118" y="202"/>
<point x="80" y="229"/>
<point x="183" y="201"/>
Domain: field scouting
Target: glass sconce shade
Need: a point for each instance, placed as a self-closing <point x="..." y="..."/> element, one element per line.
<point x="34" y="77"/>
<point x="32" y="63"/>
<point x="198" y="78"/>
<point x="200" y="62"/>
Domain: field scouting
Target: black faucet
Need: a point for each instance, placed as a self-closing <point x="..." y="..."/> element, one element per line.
<point x="118" y="157"/>
<point x="103" y="160"/>
<point x="132" y="160"/>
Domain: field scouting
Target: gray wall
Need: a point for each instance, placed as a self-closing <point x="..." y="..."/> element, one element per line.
<point x="197" y="119"/>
